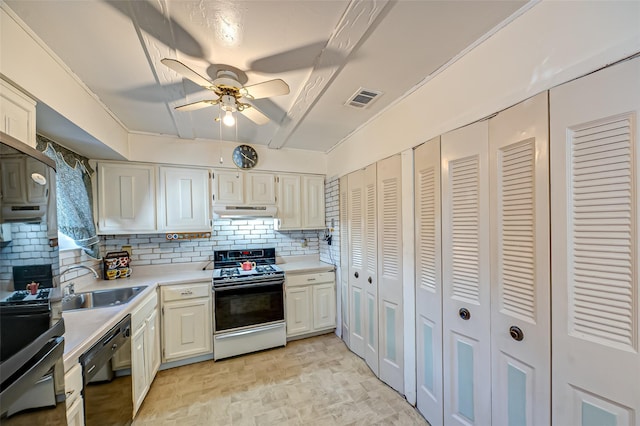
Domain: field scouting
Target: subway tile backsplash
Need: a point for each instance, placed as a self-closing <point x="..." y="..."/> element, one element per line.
<point x="227" y="234"/>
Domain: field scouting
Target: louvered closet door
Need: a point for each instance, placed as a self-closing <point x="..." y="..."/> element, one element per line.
<point x="370" y="269"/>
<point x="390" y="293"/>
<point x="357" y="280"/>
<point x="343" y="230"/>
<point x="466" y="314"/>
<point x="594" y="211"/>
<point x="428" y="281"/>
<point x="521" y="363"/>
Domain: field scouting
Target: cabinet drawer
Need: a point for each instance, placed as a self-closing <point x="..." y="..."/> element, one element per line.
<point x="306" y="279"/>
<point x="143" y="311"/>
<point x="73" y="384"/>
<point x="185" y="291"/>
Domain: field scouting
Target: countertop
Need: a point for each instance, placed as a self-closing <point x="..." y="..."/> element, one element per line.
<point x="84" y="327"/>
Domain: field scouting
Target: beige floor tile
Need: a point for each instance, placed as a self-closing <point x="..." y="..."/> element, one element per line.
<point x="315" y="381"/>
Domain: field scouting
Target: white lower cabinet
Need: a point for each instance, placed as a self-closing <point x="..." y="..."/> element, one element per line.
<point x="186" y="321"/>
<point x="311" y="303"/>
<point x="145" y="349"/>
<point x="74" y="401"/>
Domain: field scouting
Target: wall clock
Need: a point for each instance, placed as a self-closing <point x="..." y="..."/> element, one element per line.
<point x="245" y="157"/>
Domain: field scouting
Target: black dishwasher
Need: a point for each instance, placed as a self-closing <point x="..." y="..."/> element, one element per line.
<point x="108" y="398"/>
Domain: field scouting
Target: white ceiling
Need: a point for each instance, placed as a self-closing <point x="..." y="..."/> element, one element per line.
<point x="325" y="51"/>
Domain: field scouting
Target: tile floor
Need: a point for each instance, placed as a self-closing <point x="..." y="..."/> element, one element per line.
<point x="315" y="381"/>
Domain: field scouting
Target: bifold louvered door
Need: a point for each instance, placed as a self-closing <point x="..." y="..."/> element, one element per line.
<point x="390" y="292"/>
<point x="428" y="281"/>
<point x="520" y="304"/>
<point x="343" y="229"/>
<point x="595" y="212"/>
<point x="370" y="278"/>
<point x="356" y="242"/>
<point x="466" y="314"/>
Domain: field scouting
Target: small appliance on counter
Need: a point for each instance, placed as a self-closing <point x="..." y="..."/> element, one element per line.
<point x="116" y="265"/>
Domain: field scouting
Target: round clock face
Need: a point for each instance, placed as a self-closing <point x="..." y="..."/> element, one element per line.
<point x="245" y="157"/>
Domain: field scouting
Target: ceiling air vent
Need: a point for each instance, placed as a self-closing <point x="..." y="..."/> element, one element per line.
<point x="363" y="98"/>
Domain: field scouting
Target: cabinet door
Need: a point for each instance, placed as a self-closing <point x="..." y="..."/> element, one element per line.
<point x="390" y="291"/>
<point x="139" y="367"/>
<point x="36" y="193"/>
<point x="519" y="158"/>
<point x="152" y="345"/>
<point x="313" y="202"/>
<point x="298" y="310"/>
<point x="466" y="300"/>
<point x="324" y="306"/>
<point x="260" y="189"/>
<point x="229" y="187"/>
<point x="13" y="180"/>
<point x="289" y="187"/>
<point x="428" y="281"/>
<point x="17" y="114"/>
<point x="594" y="240"/>
<point x="184" y="199"/>
<point x="75" y="413"/>
<point x="186" y="328"/>
<point x="126" y="198"/>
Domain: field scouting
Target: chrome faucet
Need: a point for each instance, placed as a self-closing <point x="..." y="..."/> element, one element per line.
<point x="70" y="268"/>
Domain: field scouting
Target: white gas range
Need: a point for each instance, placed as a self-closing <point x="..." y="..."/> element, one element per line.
<point x="248" y="302"/>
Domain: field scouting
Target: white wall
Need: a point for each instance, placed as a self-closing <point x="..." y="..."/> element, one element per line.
<point x="33" y="67"/>
<point x="555" y="41"/>
<point x="200" y="152"/>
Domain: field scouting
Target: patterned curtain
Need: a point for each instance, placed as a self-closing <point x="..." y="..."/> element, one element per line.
<point x="74" y="195"/>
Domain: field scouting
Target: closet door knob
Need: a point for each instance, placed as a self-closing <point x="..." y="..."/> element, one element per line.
<point x="516" y="333"/>
<point x="370" y="280"/>
<point x="464" y="313"/>
<point x="356" y="275"/>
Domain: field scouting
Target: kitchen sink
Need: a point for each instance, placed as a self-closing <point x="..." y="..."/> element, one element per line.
<point x="100" y="298"/>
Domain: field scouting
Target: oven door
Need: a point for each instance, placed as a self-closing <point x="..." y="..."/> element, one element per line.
<point x="248" y="305"/>
<point x="27" y="394"/>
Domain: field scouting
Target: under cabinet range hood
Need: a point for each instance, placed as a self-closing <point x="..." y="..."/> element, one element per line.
<point x="244" y="212"/>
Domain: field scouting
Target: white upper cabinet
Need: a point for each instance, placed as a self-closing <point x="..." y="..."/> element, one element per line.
<point x="145" y="198"/>
<point x="300" y="201"/>
<point x="244" y="188"/>
<point x="126" y="198"/>
<point x="17" y="114"/>
<point x="184" y="199"/>
<point x="313" y="202"/>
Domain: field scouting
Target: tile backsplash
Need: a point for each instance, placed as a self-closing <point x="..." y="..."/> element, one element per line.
<point x="29" y="246"/>
<point x="155" y="249"/>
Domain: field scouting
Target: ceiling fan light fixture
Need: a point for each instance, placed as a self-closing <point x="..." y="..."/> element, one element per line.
<point x="228" y="119"/>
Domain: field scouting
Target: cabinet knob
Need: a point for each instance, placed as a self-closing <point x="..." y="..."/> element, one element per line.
<point x="370" y="280"/>
<point x="356" y="275"/>
<point x="464" y="314"/>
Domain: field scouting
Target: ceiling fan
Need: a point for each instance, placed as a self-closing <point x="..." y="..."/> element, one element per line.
<point x="232" y="95"/>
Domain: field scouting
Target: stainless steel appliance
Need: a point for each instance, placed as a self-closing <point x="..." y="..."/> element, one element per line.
<point x="107" y="396"/>
<point x="31" y="326"/>
<point x="248" y="302"/>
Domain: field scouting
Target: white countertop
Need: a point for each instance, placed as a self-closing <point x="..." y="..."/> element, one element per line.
<point x="84" y="327"/>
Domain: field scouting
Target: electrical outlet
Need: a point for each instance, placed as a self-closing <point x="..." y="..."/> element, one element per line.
<point x="304" y="242"/>
<point x="127" y="249"/>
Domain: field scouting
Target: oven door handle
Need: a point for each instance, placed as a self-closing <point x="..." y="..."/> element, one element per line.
<point x="241" y="286"/>
<point x="249" y="331"/>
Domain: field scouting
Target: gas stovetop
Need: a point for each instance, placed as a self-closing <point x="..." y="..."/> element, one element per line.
<point x="25" y="296"/>
<point x="227" y="264"/>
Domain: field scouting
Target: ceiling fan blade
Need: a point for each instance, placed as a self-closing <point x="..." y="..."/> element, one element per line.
<point x="197" y="105"/>
<point x="254" y="115"/>
<point x="267" y="89"/>
<point x="187" y="72"/>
